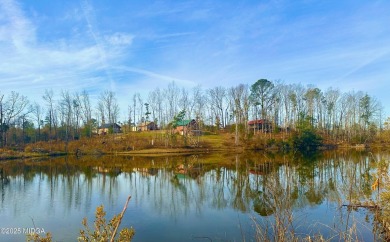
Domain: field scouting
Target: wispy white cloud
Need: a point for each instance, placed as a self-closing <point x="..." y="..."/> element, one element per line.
<point x="119" y="39"/>
<point x="132" y="45"/>
<point x="16" y="29"/>
<point x="74" y="15"/>
<point x="166" y="78"/>
<point x="169" y="36"/>
<point x="161" y="8"/>
<point x="28" y="64"/>
<point x="90" y="18"/>
<point x="365" y="61"/>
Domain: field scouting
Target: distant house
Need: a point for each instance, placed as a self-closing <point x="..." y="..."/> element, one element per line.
<point x="106" y="128"/>
<point x="146" y="126"/>
<point x="189" y="126"/>
<point x="260" y="125"/>
<point x="133" y="127"/>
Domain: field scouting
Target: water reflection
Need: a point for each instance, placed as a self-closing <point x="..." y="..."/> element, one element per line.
<point x="185" y="196"/>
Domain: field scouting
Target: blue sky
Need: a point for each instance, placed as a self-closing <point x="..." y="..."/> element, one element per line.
<point x="134" y="46"/>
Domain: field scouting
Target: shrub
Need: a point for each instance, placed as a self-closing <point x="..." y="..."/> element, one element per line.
<point x="307" y="141"/>
<point x="103" y="231"/>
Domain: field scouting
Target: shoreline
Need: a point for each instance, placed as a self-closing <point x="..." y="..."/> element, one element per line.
<point x="15" y="155"/>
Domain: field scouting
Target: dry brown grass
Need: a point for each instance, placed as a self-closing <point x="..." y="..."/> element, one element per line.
<point x="136" y="142"/>
<point x="160" y="141"/>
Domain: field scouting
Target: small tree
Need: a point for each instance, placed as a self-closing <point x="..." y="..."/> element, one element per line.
<point x="306" y="139"/>
<point x="178" y="118"/>
<point x="175" y="123"/>
<point x="147" y="112"/>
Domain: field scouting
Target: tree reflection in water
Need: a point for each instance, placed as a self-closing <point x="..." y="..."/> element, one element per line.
<point x="269" y="187"/>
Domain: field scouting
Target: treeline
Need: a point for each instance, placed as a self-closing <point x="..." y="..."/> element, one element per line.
<point x="352" y="116"/>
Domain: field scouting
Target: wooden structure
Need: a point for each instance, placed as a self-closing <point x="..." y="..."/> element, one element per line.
<point x="107" y="128"/>
<point x="189" y="126"/>
<point x="260" y="125"/>
<point x="146" y="126"/>
<point x="133" y="127"/>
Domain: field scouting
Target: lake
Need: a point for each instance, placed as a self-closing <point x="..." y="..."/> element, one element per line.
<point x="202" y="197"/>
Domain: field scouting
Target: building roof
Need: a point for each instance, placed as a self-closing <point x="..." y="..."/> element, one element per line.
<point x="184" y="122"/>
<point x="145" y="124"/>
<point x="258" y="121"/>
<point x="110" y="125"/>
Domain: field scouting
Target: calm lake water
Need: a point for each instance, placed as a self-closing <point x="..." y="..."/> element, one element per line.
<point x="213" y="197"/>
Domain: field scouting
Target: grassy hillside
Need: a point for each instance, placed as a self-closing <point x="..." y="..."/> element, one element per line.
<point x="137" y="142"/>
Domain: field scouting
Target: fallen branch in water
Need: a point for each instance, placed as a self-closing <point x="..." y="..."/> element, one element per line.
<point x="120" y="219"/>
<point x="361" y="206"/>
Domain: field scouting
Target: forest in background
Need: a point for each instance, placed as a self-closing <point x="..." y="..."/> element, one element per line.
<point x="352" y="117"/>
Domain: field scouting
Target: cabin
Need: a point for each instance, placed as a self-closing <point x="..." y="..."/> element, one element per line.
<point x="260" y="125"/>
<point x="189" y="126"/>
<point x="146" y="126"/>
<point x="106" y="128"/>
<point x="133" y="127"/>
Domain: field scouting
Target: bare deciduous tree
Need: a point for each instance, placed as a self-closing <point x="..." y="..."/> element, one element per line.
<point x="10" y="108"/>
<point x="108" y="107"/>
<point x="48" y="97"/>
<point x="37" y="111"/>
<point x="217" y="96"/>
